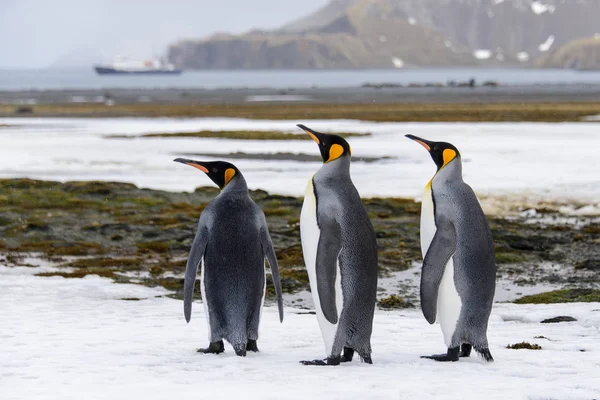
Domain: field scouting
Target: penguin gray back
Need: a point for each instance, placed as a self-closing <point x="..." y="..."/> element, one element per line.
<point x="233" y="240"/>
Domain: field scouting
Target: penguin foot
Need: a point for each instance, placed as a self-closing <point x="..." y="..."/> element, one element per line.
<point x="485" y="354"/>
<point x="465" y="350"/>
<point x="328" y="361"/>
<point x="252" y="346"/>
<point x="451" y="355"/>
<point x="367" y="359"/>
<point x="348" y="355"/>
<point x="240" y="350"/>
<point x="213" y="348"/>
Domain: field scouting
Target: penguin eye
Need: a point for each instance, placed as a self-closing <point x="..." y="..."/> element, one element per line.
<point x="215" y="170"/>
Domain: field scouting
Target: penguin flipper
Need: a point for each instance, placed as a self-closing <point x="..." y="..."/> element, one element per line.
<point x="440" y="250"/>
<point x="328" y="250"/>
<point x="191" y="268"/>
<point x="269" y="252"/>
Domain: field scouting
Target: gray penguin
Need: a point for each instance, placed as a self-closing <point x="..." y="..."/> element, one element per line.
<point x="340" y="252"/>
<point x="231" y="245"/>
<point x="458" y="279"/>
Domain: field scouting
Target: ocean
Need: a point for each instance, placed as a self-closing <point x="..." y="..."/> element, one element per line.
<point x="51" y="79"/>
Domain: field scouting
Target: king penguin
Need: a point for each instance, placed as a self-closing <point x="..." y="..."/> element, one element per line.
<point x="340" y="252"/>
<point x="459" y="271"/>
<point x="231" y="244"/>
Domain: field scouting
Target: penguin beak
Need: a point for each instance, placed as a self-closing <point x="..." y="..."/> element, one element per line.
<point x="192" y="163"/>
<point x="422" y="142"/>
<point x="313" y="134"/>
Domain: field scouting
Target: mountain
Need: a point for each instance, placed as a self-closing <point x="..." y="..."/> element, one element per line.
<point x="582" y="54"/>
<point x="398" y="33"/>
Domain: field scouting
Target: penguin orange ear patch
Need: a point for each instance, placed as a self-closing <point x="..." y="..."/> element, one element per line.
<point x="335" y="152"/>
<point x="229" y="174"/>
<point x="448" y="155"/>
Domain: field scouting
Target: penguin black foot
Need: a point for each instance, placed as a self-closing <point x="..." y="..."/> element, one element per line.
<point x="240" y="350"/>
<point x="485" y="354"/>
<point x="328" y="361"/>
<point x="348" y="355"/>
<point x="366" y="359"/>
<point x="213" y="348"/>
<point x="451" y="355"/>
<point x="465" y="350"/>
<point x="252" y="346"/>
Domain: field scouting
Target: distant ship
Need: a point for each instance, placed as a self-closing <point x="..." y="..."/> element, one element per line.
<point x="121" y="66"/>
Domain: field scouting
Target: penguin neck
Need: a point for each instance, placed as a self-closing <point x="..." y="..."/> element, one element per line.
<point x="450" y="171"/>
<point x="236" y="185"/>
<point x="336" y="168"/>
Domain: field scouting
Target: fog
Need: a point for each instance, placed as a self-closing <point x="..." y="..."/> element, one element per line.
<point x="75" y="33"/>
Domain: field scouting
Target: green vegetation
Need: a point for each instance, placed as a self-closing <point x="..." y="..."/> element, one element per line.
<point x="113" y="228"/>
<point x="524" y="345"/>
<point x="562" y="296"/>
<point x="425" y="112"/>
<point x="394" y="302"/>
<point x="509" y="258"/>
<point x="239" y="135"/>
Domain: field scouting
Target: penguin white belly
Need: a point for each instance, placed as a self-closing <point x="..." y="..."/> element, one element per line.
<point x="449" y="303"/>
<point x="204" y="302"/>
<point x="428" y="227"/>
<point x="310" y="233"/>
<point x="262" y="302"/>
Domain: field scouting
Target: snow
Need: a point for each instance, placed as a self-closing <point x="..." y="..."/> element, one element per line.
<point x="398" y="63"/>
<point x="527" y="160"/>
<point x="482" y="54"/>
<point x="412" y="21"/>
<point x="547" y="44"/>
<point x="539" y="8"/>
<point x="496" y="2"/>
<point x="523" y="56"/>
<point x="74" y="338"/>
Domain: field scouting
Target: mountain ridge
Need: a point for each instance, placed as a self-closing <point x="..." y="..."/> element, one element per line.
<point x="401" y="33"/>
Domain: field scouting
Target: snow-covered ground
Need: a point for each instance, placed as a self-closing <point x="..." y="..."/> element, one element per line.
<point x="76" y="339"/>
<point x="534" y="160"/>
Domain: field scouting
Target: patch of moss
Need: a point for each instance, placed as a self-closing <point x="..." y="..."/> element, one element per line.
<point x="509" y="258"/>
<point x="80" y="273"/>
<point x="562" y="296"/>
<point x="96" y="187"/>
<point x="156" y="270"/>
<point x="290" y="256"/>
<point x="121" y="263"/>
<point x="278" y="211"/>
<point x="390" y="112"/>
<point x="298" y="274"/>
<point x="524" y="345"/>
<point x="174" y="284"/>
<point x="238" y="135"/>
<point x="153" y="247"/>
<point x="394" y="302"/>
<point x="56" y="248"/>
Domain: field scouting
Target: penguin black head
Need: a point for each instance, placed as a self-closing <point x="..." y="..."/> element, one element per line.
<point x="441" y="152"/>
<point x="220" y="172"/>
<point x="332" y="147"/>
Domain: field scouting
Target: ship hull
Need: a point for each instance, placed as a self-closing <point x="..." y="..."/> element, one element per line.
<point x="115" y="71"/>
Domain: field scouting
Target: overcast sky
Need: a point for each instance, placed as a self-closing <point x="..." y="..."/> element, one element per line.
<point x="47" y="33"/>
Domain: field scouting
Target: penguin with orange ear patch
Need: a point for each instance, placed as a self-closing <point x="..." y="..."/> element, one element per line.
<point x="340" y="252"/>
<point x="231" y="244"/>
<point x="458" y="278"/>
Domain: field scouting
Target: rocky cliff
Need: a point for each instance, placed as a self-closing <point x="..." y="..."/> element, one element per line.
<point x="398" y="33"/>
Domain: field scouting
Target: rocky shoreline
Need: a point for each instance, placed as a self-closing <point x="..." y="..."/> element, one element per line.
<point x="135" y="235"/>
